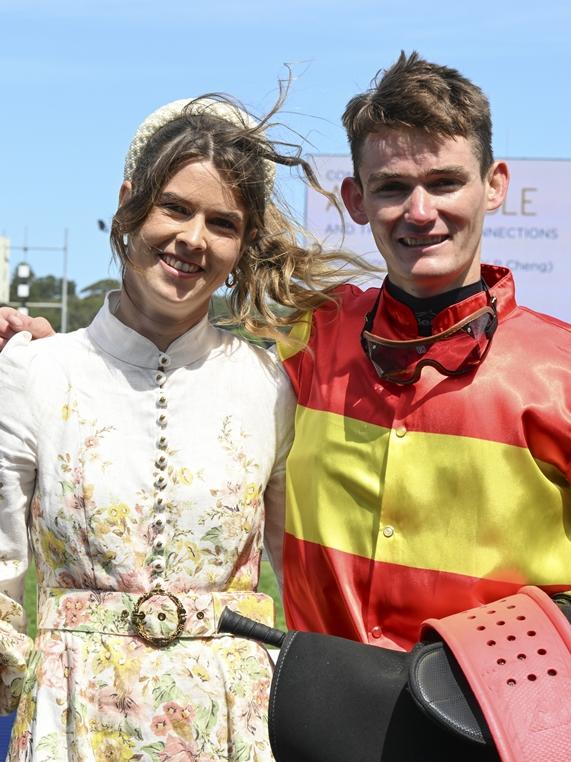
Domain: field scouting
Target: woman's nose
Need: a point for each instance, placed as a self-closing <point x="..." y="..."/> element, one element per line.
<point x="193" y="232"/>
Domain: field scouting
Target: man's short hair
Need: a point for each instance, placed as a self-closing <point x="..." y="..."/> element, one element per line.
<point x="419" y="94"/>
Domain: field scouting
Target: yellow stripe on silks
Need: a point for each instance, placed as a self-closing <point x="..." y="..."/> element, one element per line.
<point x="299" y="336"/>
<point x="455" y="504"/>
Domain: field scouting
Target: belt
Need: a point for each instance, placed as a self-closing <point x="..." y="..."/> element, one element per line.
<point x="158" y="617"/>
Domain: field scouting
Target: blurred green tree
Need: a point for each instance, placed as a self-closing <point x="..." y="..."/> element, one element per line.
<point x="48" y="288"/>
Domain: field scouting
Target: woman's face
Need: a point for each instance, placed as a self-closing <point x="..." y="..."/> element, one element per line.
<point x="189" y="243"/>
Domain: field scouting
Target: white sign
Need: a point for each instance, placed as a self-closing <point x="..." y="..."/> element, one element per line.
<point x="530" y="234"/>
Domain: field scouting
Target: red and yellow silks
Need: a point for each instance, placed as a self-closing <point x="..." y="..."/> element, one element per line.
<point x="413" y="502"/>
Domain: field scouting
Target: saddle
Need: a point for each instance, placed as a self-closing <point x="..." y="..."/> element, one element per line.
<point x="492" y="683"/>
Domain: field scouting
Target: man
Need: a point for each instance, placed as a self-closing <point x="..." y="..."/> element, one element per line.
<point x="431" y="464"/>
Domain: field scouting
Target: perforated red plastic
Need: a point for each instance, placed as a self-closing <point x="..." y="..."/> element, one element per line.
<point x="516" y="655"/>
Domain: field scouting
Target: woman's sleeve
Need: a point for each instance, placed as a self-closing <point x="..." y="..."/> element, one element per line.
<point x="17" y="480"/>
<point x="274" y="497"/>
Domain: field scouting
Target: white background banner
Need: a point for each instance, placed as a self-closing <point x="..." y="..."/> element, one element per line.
<point x="531" y="233"/>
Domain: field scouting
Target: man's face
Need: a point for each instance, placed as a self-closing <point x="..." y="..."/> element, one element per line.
<point x="425" y="200"/>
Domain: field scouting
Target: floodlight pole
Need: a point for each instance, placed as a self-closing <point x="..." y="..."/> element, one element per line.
<point x="64" y="286"/>
<point x="64" y="249"/>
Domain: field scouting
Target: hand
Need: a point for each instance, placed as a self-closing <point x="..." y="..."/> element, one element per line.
<point x="12" y="322"/>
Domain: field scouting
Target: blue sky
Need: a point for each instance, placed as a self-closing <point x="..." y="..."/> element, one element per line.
<point x="77" y="77"/>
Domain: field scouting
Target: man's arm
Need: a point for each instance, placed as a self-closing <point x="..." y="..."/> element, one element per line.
<point x="12" y="322"/>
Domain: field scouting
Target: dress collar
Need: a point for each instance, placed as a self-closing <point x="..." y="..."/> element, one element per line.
<point x="123" y="343"/>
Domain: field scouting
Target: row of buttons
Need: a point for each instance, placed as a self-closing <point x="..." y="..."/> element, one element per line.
<point x="388" y="531"/>
<point x="161" y="462"/>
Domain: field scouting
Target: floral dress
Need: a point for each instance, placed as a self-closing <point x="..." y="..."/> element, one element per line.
<point x="143" y="482"/>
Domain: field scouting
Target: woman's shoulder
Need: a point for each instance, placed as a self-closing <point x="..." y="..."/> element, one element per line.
<point x="31" y="372"/>
<point x="23" y="358"/>
<point x="259" y="361"/>
<point x="22" y="349"/>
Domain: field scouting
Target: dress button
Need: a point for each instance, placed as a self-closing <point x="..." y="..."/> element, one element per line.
<point x="159" y="522"/>
<point x="164" y="361"/>
<point x="158" y="565"/>
<point x="162" y="443"/>
<point x="160" y="482"/>
<point x="388" y="531"/>
<point x="160" y="378"/>
<point x="162" y="420"/>
<point x="159" y="504"/>
<point x="377" y="632"/>
<point x="162" y="401"/>
<point x="401" y="431"/>
<point x="161" y="462"/>
<point x="159" y="543"/>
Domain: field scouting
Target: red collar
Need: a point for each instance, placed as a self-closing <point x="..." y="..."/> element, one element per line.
<point x="395" y="320"/>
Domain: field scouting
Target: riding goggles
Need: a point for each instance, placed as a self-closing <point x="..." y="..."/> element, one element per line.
<point x="457" y="350"/>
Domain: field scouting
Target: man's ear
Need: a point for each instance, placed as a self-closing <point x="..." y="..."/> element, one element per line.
<point x="124" y="192"/>
<point x="352" y="195"/>
<point x="498" y="183"/>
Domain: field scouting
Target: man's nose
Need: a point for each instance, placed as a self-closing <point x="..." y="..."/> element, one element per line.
<point x="420" y="207"/>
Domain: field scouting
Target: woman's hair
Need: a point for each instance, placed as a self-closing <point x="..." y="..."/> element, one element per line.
<point x="275" y="270"/>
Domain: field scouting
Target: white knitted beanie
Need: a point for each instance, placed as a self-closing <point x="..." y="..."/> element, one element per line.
<point x="176" y="109"/>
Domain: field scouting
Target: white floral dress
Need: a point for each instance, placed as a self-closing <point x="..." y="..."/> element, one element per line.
<point x="143" y="482"/>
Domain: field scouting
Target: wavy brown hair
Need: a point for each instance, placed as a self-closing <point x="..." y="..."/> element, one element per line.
<point x="275" y="270"/>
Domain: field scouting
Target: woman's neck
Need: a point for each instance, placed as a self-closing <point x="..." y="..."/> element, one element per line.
<point x="161" y="329"/>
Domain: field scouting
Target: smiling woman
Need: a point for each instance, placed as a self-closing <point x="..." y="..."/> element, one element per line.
<point x="144" y="456"/>
<point x="191" y="240"/>
<point x="203" y="171"/>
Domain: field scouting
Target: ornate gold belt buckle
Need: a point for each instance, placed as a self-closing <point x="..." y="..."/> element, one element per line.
<point x="138" y="619"/>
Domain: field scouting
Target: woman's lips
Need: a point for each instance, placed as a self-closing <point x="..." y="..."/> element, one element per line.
<point x="176" y="268"/>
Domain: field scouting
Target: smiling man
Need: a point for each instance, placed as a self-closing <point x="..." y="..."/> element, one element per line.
<point x="431" y="464"/>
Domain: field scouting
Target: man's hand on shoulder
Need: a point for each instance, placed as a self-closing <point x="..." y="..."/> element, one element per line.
<point x="12" y="322"/>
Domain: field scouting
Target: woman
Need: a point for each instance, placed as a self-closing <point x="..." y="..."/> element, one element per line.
<point x="143" y="457"/>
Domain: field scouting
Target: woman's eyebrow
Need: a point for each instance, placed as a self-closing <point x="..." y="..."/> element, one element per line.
<point x="169" y="196"/>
